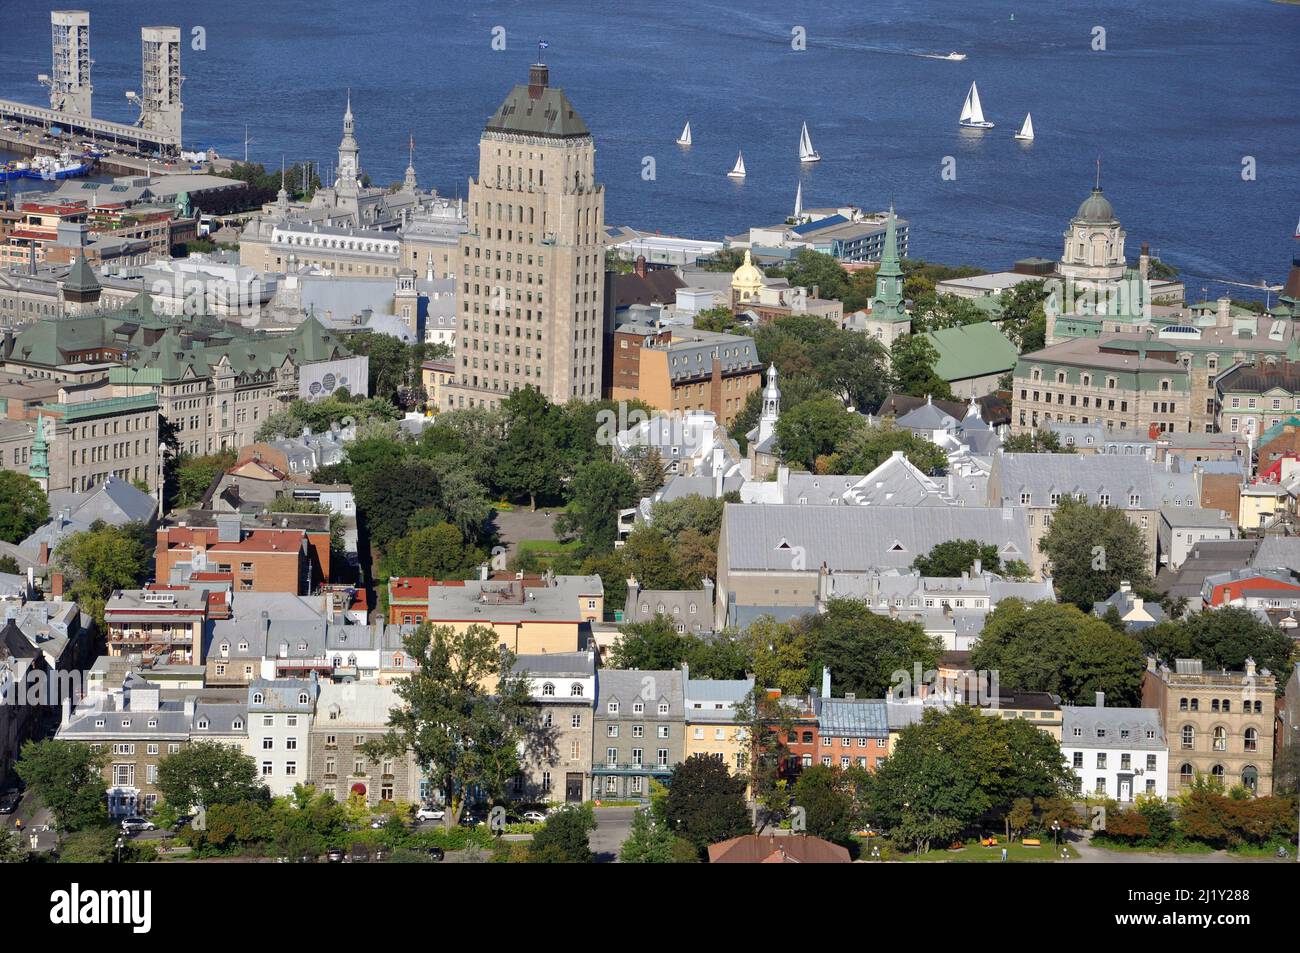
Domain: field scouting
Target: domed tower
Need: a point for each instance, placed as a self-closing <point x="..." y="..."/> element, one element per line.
<point x="746" y="283"/>
<point x="1093" y="253"/>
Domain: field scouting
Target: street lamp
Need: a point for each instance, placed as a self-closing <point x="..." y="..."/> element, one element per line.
<point x="1056" y="830"/>
<point x="120" y="844"/>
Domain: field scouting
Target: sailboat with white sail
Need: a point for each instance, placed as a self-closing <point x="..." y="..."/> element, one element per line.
<point x="798" y="203"/>
<point x="1026" y="132"/>
<point x="685" y="138"/>
<point x="738" y="170"/>
<point x="972" y="113"/>
<point x="806" y="151"/>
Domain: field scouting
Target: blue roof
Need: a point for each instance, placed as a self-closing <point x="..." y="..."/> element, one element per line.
<point x="859" y="718"/>
<point x="819" y="224"/>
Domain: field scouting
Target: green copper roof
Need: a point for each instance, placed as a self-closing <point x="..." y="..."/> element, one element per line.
<point x="888" y="299"/>
<point x="971" y="350"/>
<point x="538" y="109"/>
<point x="81" y="278"/>
<point x="38" y="463"/>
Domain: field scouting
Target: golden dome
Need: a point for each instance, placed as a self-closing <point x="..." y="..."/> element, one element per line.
<point x="747" y="280"/>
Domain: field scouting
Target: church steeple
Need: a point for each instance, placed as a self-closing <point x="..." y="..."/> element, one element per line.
<point x="348" y="182"/>
<point x="408" y="183"/>
<point x="771" y="406"/>
<point x="888" y="299"/>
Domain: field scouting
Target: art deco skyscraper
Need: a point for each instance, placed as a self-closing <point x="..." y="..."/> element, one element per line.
<point x="532" y="263"/>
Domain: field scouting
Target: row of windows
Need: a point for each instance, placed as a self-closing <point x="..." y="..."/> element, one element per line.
<point x="1219" y="738"/>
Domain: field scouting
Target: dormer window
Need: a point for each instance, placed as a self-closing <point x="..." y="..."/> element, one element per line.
<point x="302" y="698"/>
<point x="257" y="698"/>
<point x="237" y="724"/>
<point x="575" y="690"/>
<point x="153" y="722"/>
<point x="638" y="708"/>
<point x="243" y="646"/>
<point x="612" y="708"/>
<point x="548" y="689"/>
<point x="202" y="724"/>
<point x="663" y="708"/>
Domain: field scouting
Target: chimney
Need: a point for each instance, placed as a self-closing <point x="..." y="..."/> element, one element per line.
<point x="633" y="589"/>
<point x="1250" y="668"/>
<point x="484" y="571"/>
<point x="189" y="706"/>
<point x="44" y="558"/>
<point x="1101" y="699"/>
<point x="1223" y="317"/>
<point x="826" y="682"/>
<point x="1125" y="586"/>
<point x="850" y="696"/>
<point x="539" y="77"/>
<point x="977" y="569"/>
<point x="639" y="266"/>
<point x="56" y="584"/>
<point x="1144" y="262"/>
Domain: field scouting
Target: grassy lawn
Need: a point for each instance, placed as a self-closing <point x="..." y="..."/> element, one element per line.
<point x="973" y="853"/>
<point x="548" y="547"/>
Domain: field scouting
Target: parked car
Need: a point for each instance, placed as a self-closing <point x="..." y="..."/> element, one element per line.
<point x="430" y="814"/>
<point x="436" y="853"/>
<point x="534" y="817"/>
<point x="133" y="825"/>
<point x="377" y="823"/>
<point x="9" y="802"/>
<point x="335" y="855"/>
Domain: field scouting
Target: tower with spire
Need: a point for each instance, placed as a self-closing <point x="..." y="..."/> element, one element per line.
<point x="409" y="184"/>
<point x="348" y="183"/>
<point x="771" y="407"/>
<point x="888" y="303"/>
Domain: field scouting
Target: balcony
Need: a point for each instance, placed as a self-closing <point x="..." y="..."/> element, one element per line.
<point x="622" y="768"/>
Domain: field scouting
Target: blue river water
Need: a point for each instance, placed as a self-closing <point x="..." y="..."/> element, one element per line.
<point x="1180" y="97"/>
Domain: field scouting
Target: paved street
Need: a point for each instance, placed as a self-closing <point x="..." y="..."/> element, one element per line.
<point x="613" y="825"/>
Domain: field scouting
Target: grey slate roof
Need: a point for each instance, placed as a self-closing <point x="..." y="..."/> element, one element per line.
<point x="629" y="686"/>
<point x="861" y="537"/>
<point x="854" y="718"/>
<point x="556" y="664"/>
<point x="1114" y="722"/>
<point x="1043" y="474"/>
<point x="115" y="501"/>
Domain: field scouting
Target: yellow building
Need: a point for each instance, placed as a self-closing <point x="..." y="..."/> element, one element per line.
<point x="433" y="375"/>
<point x="1261" y="504"/>
<point x="710" y="727"/>
<point x="746" y="283"/>
<point x="531" y="616"/>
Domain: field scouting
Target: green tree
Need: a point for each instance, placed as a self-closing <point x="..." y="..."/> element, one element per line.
<point x="648" y="843"/>
<point x="913" y="358"/>
<point x="436" y="552"/>
<point x="564" y="839"/>
<point x="92" y="845"/>
<point x="23" y="506"/>
<point x="528" y="464"/>
<point x="207" y="773"/>
<point x="956" y="556"/>
<point x="1037" y="441"/>
<point x="464" y="732"/>
<point x="957" y="768"/>
<point x="863" y="649"/>
<point x="780" y="653"/>
<point x="1054" y="647"/>
<point x="66" y="777"/>
<point x="705" y="803"/>
<point x="648" y="556"/>
<point x="868" y="447"/>
<point x="194" y="474"/>
<point x="599" y="490"/>
<point x="651" y="645"/>
<point x="1093" y="549"/>
<point x="102" y="559"/>
<point x="763" y="724"/>
<point x="1228" y="636"/>
<point x="827" y="802"/>
<point x="12" y="849"/>
<point x="718" y="320"/>
<point x="284" y="503"/>
<point x="813" y="429"/>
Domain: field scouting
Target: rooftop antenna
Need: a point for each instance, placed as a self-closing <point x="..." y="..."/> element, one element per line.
<point x="1099" y="173"/>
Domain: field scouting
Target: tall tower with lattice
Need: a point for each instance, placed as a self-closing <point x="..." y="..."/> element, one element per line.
<point x="69" y="80"/>
<point x="160" y="79"/>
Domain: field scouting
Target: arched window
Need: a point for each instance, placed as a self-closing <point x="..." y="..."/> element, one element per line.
<point x="1217" y="773"/>
<point x="257" y="698"/>
<point x="1186" y="774"/>
<point x="807" y="737"/>
<point x="302" y="698"/>
<point x="1250" y="777"/>
<point x="1189" y="736"/>
<point x="1227" y="702"/>
<point x="1220" y="738"/>
<point x="1252" y="739"/>
<point x="237" y="724"/>
<point x="575" y="690"/>
<point x="1214" y="705"/>
<point x="1259" y="708"/>
<point x="1196" y="704"/>
<point x="548" y="689"/>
